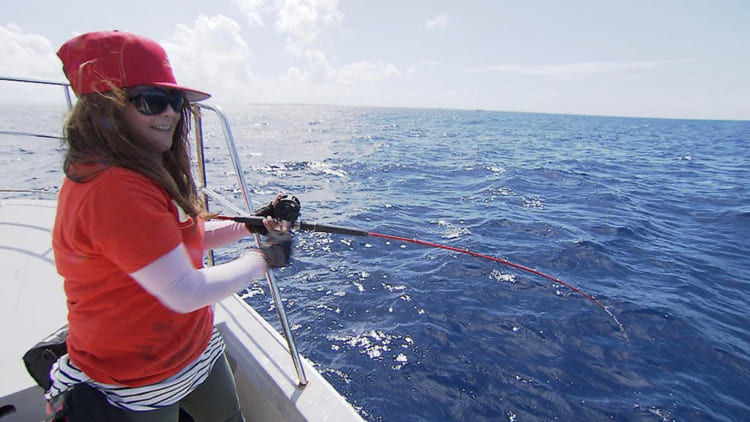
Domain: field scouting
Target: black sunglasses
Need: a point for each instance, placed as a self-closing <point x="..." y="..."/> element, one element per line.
<point x="151" y="100"/>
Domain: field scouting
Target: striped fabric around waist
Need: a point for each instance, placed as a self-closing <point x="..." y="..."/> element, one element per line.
<point x="148" y="397"/>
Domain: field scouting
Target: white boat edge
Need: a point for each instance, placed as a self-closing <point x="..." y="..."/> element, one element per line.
<point x="32" y="305"/>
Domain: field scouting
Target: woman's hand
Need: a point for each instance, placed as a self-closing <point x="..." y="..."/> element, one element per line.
<point x="274" y="225"/>
<point x="277" y="248"/>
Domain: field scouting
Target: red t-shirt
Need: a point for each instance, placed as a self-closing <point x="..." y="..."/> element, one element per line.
<point x="105" y="229"/>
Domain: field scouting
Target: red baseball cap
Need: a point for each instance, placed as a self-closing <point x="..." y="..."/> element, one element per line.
<point x="101" y="61"/>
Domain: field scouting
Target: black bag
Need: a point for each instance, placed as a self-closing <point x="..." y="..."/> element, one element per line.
<point x="40" y="358"/>
<point x="84" y="403"/>
<point x="81" y="402"/>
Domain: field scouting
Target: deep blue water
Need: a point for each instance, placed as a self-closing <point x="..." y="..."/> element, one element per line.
<point x="649" y="216"/>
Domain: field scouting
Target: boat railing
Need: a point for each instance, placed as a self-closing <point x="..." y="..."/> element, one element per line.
<point x="68" y="101"/>
<point x="207" y="193"/>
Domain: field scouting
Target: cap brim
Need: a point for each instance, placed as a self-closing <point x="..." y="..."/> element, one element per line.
<point x="191" y="94"/>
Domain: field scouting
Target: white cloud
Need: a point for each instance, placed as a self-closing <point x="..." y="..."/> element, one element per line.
<point x="27" y="55"/>
<point x="30" y="56"/>
<point x="361" y="72"/>
<point x="306" y="21"/>
<point x="571" y="70"/>
<point x="211" y="56"/>
<point x="437" y="22"/>
<point x="253" y="9"/>
<point x="366" y="72"/>
<point x="309" y="26"/>
<point x="320" y="69"/>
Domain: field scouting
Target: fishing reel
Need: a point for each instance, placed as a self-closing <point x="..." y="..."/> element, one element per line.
<point x="287" y="208"/>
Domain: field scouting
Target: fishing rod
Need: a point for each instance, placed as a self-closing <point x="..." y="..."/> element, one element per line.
<point x="256" y="223"/>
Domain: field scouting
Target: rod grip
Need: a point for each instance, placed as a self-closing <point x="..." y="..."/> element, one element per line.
<point x="257" y="223"/>
<point x="254" y="222"/>
<point x="332" y="229"/>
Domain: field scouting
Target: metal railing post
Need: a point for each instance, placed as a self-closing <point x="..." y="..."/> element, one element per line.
<point x="201" y="159"/>
<point x="275" y="293"/>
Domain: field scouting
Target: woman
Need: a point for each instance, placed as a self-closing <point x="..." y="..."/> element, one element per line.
<point x="129" y="241"/>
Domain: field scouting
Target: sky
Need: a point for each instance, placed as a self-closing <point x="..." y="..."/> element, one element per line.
<point x="642" y="58"/>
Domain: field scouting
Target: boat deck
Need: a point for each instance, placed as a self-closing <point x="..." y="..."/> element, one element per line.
<point x="32" y="305"/>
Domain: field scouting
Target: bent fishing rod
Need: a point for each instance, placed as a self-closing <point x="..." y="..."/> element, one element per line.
<point x="256" y="223"/>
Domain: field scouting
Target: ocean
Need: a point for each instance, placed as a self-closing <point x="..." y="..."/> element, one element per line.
<point x="648" y="216"/>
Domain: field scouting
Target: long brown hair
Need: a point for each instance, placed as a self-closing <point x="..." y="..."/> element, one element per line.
<point x="95" y="133"/>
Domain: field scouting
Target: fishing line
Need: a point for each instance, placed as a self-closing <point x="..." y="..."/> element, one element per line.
<point x="506" y="262"/>
<point x="257" y="222"/>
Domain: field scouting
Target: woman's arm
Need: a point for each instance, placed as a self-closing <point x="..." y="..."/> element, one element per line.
<point x="220" y="233"/>
<point x="182" y="288"/>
